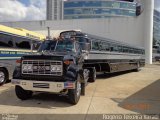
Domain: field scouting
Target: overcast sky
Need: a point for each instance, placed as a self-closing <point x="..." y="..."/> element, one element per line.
<point x="19" y="10"/>
<point x="24" y="10"/>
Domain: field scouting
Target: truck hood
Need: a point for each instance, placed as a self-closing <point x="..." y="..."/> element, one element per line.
<point x="60" y="56"/>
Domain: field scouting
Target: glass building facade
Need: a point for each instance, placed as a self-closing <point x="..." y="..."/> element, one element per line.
<point x="156" y="31"/>
<point x="98" y="9"/>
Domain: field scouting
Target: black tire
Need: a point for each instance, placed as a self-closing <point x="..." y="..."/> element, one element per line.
<point x="74" y="94"/>
<point x="3" y="76"/>
<point x="92" y="75"/>
<point x="23" y="94"/>
<point x="83" y="88"/>
<point x="137" y="70"/>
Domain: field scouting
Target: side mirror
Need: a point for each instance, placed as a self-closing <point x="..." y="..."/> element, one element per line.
<point x="35" y="46"/>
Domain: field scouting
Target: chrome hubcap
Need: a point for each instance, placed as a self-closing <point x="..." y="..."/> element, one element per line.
<point x="2" y="77"/>
<point x="78" y="88"/>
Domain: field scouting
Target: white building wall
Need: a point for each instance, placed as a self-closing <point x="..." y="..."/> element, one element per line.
<point x="128" y="29"/>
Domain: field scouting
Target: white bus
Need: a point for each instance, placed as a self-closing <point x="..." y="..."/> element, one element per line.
<point x="15" y="42"/>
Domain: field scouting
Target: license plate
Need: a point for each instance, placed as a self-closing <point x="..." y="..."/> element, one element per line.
<point x="41" y="85"/>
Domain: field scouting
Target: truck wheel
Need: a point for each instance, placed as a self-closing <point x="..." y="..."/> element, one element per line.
<point x="74" y="94"/>
<point x="3" y="76"/>
<point x="83" y="87"/>
<point x="92" y="75"/>
<point x="23" y="94"/>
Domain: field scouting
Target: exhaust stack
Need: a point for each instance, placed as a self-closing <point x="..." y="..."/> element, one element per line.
<point x="49" y="35"/>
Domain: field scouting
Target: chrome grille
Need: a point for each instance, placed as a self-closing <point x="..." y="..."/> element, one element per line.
<point x="41" y="67"/>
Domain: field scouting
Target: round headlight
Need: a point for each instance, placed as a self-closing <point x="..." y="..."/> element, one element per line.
<point x="55" y="68"/>
<point x="58" y="68"/>
<point x="27" y="67"/>
<point x="24" y="67"/>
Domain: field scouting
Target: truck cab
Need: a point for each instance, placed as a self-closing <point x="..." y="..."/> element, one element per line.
<point x="57" y="67"/>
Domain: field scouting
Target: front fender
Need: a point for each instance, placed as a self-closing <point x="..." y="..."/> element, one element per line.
<point x="17" y="73"/>
<point x="72" y="72"/>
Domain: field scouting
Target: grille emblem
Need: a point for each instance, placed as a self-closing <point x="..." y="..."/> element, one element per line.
<point x="41" y="68"/>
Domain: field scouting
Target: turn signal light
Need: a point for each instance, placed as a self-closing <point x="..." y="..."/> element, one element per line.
<point x="18" y="61"/>
<point x="68" y="62"/>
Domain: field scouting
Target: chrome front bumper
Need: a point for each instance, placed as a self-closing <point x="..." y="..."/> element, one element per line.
<point x="43" y="86"/>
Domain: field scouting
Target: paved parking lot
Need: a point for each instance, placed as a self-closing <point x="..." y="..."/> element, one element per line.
<point x="122" y="93"/>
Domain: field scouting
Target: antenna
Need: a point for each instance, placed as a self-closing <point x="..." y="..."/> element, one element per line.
<point x="49" y="35"/>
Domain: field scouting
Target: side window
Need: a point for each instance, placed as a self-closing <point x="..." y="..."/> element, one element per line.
<point x="87" y="40"/>
<point x="104" y="46"/>
<point x="78" y="48"/>
<point x="107" y="47"/>
<point x="6" y="40"/>
<point x="140" y="51"/>
<point x="82" y="41"/>
<point x="115" y="48"/>
<point x="120" y="49"/>
<point x="36" y="44"/>
<point x="111" y="47"/>
<point x="95" y="45"/>
<point x="125" y="49"/>
<point x="131" y="50"/>
<point x="136" y="51"/>
<point x="22" y="43"/>
<point x="144" y="52"/>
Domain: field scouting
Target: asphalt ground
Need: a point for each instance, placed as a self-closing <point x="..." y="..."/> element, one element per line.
<point x="125" y="93"/>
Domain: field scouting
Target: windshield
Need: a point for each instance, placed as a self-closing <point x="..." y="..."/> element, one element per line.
<point x="64" y="45"/>
<point x="58" y="46"/>
<point x="47" y="45"/>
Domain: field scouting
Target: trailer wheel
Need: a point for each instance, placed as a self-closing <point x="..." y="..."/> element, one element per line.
<point x="92" y="75"/>
<point x="23" y="94"/>
<point x="83" y="88"/>
<point x="3" y="76"/>
<point x="74" y="94"/>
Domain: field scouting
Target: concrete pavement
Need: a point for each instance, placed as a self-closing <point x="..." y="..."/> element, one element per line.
<point x="120" y="93"/>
